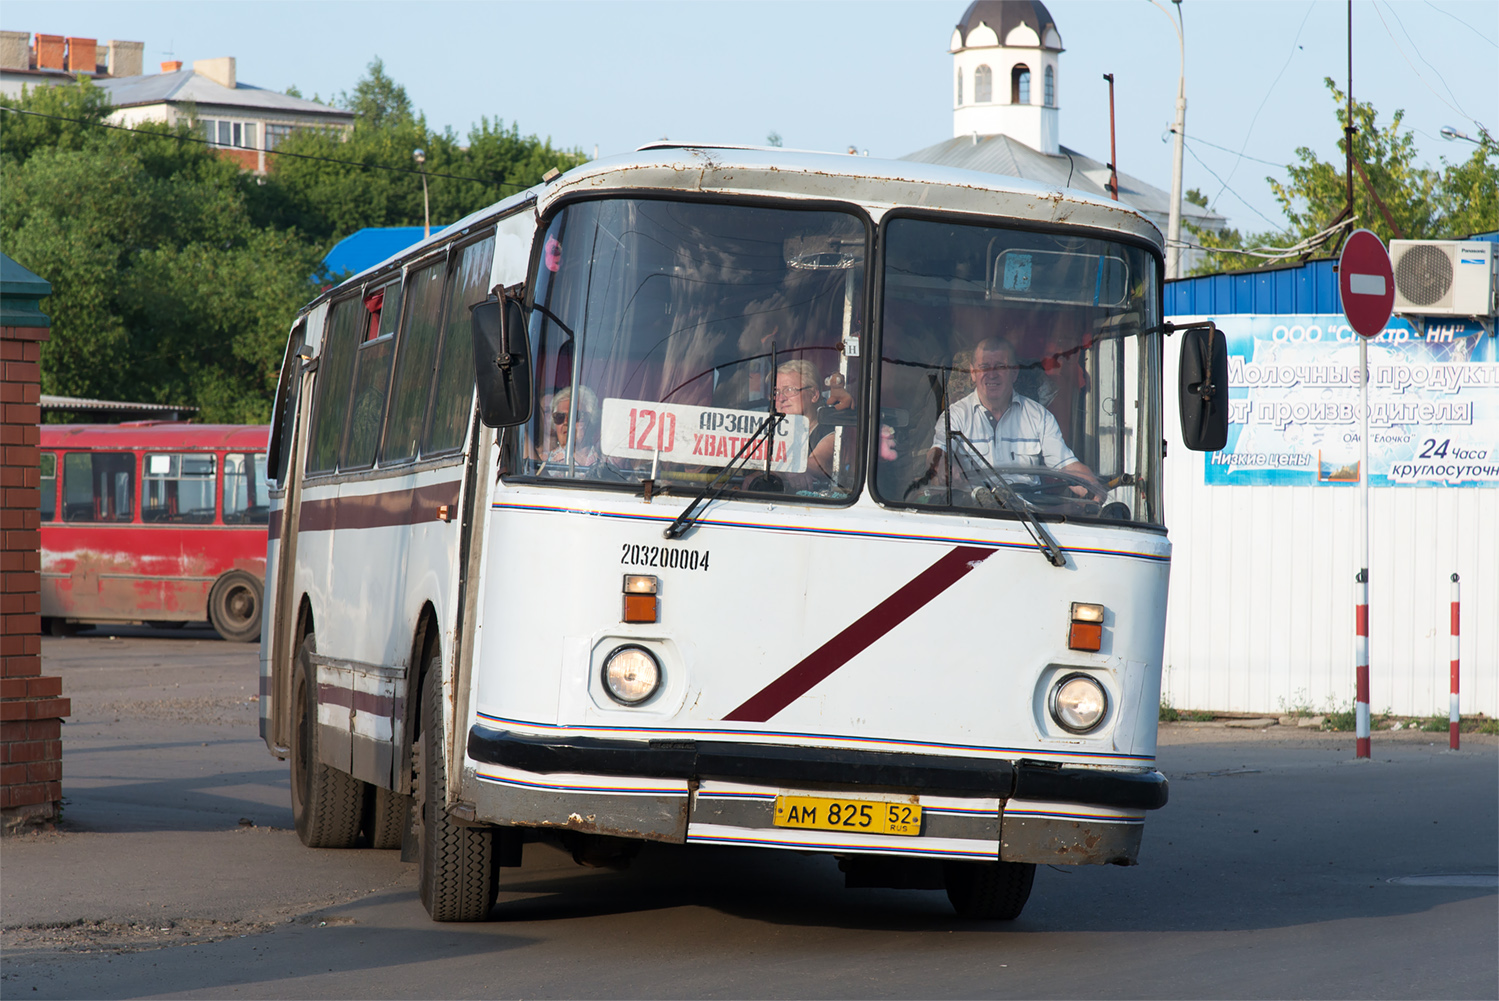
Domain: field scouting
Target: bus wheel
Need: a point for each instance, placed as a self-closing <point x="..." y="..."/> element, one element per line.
<point x="326" y="804"/>
<point x="388" y="824"/>
<point x="234" y="606"/>
<point x="457" y="872"/>
<point x="993" y="891"/>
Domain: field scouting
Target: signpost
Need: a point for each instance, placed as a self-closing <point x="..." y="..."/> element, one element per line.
<point x="1366" y="283"/>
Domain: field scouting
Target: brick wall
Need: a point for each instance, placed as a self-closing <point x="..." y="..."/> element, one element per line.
<point x="31" y="706"/>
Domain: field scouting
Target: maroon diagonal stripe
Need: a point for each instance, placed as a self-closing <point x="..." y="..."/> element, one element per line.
<point x="865" y="630"/>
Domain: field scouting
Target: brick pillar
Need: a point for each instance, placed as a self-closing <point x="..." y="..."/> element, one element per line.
<point x="31" y="706"/>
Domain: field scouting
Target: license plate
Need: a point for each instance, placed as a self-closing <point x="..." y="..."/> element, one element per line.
<point x="858" y="815"/>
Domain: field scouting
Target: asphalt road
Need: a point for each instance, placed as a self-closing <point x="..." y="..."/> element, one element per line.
<point x="1280" y="868"/>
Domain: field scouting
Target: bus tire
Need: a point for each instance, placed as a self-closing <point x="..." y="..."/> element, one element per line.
<point x="234" y="606"/>
<point x="989" y="891"/>
<point x="391" y="813"/>
<point x="456" y="872"/>
<point x="326" y="804"/>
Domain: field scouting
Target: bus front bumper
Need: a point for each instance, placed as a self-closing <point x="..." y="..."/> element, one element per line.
<point x="723" y="792"/>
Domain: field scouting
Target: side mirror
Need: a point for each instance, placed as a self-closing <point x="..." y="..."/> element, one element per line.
<point x="502" y="362"/>
<point x="1202" y="385"/>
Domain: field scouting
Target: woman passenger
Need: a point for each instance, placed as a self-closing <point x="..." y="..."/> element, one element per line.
<point x="798" y="391"/>
<point x="583" y="433"/>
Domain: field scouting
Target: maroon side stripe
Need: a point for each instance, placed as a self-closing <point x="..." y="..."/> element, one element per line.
<point x="852" y="641"/>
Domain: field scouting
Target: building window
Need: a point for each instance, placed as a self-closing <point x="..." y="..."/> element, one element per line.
<point x="960" y="86"/>
<point x="983" y="85"/>
<point x="230" y="135"/>
<point x="275" y="133"/>
<point x="1020" y="84"/>
<point x="1051" y="87"/>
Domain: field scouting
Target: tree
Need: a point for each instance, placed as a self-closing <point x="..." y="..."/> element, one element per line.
<point x="1413" y="201"/>
<point x="164" y="287"/>
<point x="374" y="182"/>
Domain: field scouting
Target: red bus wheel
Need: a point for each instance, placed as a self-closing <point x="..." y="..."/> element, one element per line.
<point x="234" y="606"/>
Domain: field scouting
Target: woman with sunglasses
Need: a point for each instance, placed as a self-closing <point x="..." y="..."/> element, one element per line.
<point x="583" y="432"/>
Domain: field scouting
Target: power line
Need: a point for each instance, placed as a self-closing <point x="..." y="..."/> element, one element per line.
<point x="270" y="152"/>
<point x="1295" y="47"/>
<point x="1465" y="24"/>
<point x="1417" y="50"/>
<point x="1412" y="65"/>
<point x="1235" y="193"/>
<point x="1194" y="139"/>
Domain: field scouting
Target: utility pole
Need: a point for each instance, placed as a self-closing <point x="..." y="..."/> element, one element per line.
<point x="1174" y="220"/>
<point x="1113" y="154"/>
<point x="420" y="156"/>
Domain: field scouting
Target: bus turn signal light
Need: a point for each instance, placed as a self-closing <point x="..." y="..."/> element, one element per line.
<point x="1086" y="631"/>
<point x="640" y="602"/>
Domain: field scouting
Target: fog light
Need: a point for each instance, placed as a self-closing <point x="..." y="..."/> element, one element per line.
<point x="631" y="675"/>
<point x="1079" y="703"/>
<point x="640" y="601"/>
<point x="1086" y="629"/>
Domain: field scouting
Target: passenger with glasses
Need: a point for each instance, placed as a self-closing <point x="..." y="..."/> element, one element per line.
<point x="1007" y="429"/>
<point x="583" y="432"/>
<point x="798" y="391"/>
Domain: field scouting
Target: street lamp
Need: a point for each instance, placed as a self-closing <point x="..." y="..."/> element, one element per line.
<point x="420" y="156"/>
<point x="1174" y="220"/>
<point x="1449" y="134"/>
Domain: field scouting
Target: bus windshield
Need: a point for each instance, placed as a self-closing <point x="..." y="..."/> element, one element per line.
<point x="1015" y="375"/>
<point x="690" y="344"/>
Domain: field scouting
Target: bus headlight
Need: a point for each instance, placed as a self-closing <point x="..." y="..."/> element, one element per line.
<point x="1078" y="703"/>
<point x="631" y="675"/>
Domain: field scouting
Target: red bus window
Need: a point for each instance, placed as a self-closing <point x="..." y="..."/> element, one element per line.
<point x="49" y="486"/>
<point x="178" y="488"/>
<point x="98" y="486"/>
<point x="245" y="499"/>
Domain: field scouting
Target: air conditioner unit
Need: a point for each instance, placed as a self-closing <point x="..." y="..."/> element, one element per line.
<point x="1444" y="277"/>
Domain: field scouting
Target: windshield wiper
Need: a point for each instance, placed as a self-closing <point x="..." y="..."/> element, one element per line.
<point x="1011" y="501"/>
<point x="719" y="483"/>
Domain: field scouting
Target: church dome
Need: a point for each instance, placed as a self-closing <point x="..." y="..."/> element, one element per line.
<point x="995" y="22"/>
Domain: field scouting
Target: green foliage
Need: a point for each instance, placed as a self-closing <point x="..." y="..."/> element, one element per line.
<point x="1488" y="725"/>
<point x="329" y="200"/>
<point x="175" y="275"/>
<point x="1169" y="713"/>
<point x="164" y="288"/>
<point x="1424" y="203"/>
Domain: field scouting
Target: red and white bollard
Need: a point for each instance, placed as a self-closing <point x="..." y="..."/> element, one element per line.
<point x="1454" y="716"/>
<point x="1361" y="667"/>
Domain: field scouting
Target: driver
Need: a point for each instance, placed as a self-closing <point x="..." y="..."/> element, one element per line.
<point x="1007" y="429"/>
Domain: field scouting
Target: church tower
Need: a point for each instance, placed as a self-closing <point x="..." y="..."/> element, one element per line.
<point x="1005" y="77"/>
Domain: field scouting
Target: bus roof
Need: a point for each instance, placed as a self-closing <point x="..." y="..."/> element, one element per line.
<point x="744" y="170"/>
<point x="176" y="436"/>
<point x="876" y="183"/>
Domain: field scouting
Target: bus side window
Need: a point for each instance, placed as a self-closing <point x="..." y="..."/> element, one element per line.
<point x="245" y="500"/>
<point x="178" y="488"/>
<point x="453" y="395"/>
<point x="331" y="399"/>
<point x="98" y="486"/>
<point x="49" y="486"/>
<point x="415" y="354"/>
<point x="372" y="377"/>
<point x="287" y="392"/>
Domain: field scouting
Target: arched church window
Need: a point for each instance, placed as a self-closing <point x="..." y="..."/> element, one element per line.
<point x="983" y="85"/>
<point x="1020" y="84"/>
<point x="1051" y="87"/>
<point x="960" y="86"/>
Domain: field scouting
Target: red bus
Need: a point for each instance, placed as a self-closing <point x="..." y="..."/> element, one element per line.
<point x="156" y="522"/>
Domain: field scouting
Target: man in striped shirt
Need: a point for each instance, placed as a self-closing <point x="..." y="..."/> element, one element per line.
<point x="1007" y="429"/>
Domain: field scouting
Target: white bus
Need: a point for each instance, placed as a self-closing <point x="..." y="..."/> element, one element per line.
<point x="806" y="501"/>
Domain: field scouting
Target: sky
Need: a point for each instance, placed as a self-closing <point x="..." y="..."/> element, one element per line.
<point x="876" y="75"/>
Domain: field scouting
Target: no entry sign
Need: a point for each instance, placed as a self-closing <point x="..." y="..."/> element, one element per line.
<point x="1366" y="283"/>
